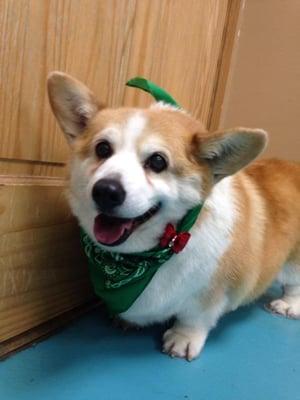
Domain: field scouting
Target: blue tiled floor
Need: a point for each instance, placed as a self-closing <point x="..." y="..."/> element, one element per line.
<point x="250" y="355"/>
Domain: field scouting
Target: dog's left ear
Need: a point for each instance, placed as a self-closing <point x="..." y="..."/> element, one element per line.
<point x="229" y="151"/>
<point x="72" y="103"/>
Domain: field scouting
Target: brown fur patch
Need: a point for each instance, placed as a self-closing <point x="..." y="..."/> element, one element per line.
<point x="267" y="232"/>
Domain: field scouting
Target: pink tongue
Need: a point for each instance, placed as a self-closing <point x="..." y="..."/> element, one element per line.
<point x="108" y="230"/>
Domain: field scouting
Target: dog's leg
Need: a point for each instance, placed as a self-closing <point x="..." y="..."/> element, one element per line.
<point x="187" y="336"/>
<point x="184" y="341"/>
<point x="289" y="304"/>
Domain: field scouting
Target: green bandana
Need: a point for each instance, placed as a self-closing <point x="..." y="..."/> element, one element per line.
<point x="118" y="278"/>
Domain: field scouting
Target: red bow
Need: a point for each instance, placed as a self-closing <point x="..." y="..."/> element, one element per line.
<point x="176" y="241"/>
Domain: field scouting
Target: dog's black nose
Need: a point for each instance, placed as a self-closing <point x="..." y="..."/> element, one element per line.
<point x="108" y="194"/>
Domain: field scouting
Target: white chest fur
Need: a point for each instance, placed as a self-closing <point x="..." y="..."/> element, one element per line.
<point x="186" y="275"/>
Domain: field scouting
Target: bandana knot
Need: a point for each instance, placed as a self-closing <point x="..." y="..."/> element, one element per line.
<point x="175" y="240"/>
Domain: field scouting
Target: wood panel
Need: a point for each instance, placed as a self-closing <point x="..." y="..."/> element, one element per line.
<point x="233" y="20"/>
<point x="17" y="169"/>
<point x="42" y="269"/>
<point x="176" y="43"/>
<point x="86" y="38"/>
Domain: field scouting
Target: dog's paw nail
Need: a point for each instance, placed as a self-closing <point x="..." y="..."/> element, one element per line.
<point x="282" y="307"/>
<point x="183" y="344"/>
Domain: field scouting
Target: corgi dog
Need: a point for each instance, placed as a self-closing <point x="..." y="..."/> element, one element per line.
<point x="141" y="169"/>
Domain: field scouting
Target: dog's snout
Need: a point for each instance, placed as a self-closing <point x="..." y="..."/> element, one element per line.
<point x="108" y="194"/>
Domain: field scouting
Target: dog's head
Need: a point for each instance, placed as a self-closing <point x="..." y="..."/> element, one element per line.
<point x="135" y="170"/>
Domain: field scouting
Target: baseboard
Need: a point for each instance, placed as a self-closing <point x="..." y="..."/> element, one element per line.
<point x="44" y="330"/>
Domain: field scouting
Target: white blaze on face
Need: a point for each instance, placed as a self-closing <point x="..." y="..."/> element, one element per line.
<point x="133" y="130"/>
<point x="126" y="163"/>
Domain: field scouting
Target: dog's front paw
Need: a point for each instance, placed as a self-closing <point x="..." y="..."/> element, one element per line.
<point x="183" y="343"/>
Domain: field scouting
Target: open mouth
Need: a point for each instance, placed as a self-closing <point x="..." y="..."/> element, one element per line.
<point x="112" y="231"/>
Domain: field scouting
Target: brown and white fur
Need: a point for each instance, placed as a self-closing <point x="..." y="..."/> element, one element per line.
<point x="247" y="235"/>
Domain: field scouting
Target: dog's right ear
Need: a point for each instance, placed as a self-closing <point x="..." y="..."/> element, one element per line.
<point x="72" y="103"/>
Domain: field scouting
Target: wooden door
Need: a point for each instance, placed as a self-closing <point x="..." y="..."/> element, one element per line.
<point x="179" y="44"/>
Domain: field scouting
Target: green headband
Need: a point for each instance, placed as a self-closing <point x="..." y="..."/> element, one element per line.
<point x="157" y="92"/>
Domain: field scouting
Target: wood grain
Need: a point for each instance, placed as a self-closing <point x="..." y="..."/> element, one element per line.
<point x="30" y="309"/>
<point x="229" y="37"/>
<point x="86" y="38"/>
<point x="43" y="271"/>
<point x="175" y="43"/>
<point x="20" y="168"/>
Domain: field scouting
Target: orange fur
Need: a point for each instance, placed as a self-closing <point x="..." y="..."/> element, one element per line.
<point x="267" y="233"/>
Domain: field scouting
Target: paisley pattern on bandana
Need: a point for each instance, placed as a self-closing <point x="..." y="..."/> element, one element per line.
<point x="118" y="278"/>
<point x="121" y="269"/>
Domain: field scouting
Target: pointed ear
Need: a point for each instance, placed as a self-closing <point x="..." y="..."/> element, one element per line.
<point x="229" y="151"/>
<point x="73" y="104"/>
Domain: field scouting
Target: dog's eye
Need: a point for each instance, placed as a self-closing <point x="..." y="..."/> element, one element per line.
<point x="156" y="162"/>
<point x="103" y="149"/>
